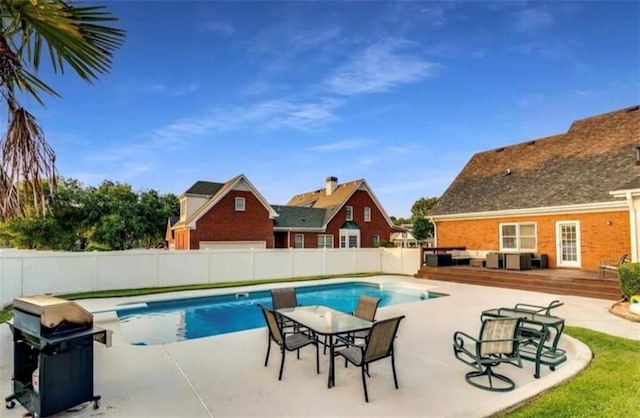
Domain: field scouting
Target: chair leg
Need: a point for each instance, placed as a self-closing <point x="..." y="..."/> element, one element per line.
<point x="266" y="360"/>
<point x="282" y="363"/>
<point x="393" y="367"/>
<point x="317" y="358"/>
<point x="364" y="384"/>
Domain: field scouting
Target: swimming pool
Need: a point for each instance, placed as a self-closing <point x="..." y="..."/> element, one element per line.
<point x="159" y="322"/>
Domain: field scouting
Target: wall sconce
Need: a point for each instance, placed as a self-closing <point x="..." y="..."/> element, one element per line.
<point x="609" y="223"/>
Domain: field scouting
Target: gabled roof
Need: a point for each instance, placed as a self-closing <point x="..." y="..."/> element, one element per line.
<point x="203" y="186"/>
<point x="293" y="217"/>
<point x="597" y="155"/>
<point x="319" y="199"/>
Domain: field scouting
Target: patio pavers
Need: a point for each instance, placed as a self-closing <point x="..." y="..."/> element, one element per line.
<point x="224" y="375"/>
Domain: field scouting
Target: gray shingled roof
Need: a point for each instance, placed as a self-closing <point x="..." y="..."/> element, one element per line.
<point x="298" y="217"/>
<point x="206" y="188"/>
<point x="597" y="155"/>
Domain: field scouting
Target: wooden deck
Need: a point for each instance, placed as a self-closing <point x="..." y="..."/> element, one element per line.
<point x="556" y="281"/>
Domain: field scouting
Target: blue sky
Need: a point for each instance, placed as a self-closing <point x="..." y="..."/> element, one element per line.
<point x="401" y="94"/>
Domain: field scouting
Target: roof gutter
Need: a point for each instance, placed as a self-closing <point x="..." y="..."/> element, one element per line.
<point x="548" y="210"/>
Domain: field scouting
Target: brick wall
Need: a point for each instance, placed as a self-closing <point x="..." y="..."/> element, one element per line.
<point x="378" y="225"/>
<point x="598" y="239"/>
<point x="223" y="223"/>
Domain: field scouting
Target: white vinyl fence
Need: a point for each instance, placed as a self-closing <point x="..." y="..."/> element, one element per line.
<point x="37" y="272"/>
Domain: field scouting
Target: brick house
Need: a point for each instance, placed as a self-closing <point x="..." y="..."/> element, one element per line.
<point x="573" y="196"/>
<point x="214" y="215"/>
<point x="234" y="214"/>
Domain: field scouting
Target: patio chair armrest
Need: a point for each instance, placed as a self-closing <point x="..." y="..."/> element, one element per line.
<point x="538" y="308"/>
<point x="459" y="339"/>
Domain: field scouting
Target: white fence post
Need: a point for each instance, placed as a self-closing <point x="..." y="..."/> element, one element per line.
<point x="97" y="270"/>
<point x="291" y="261"/>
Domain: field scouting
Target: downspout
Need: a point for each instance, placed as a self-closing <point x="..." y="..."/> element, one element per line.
<point x="435" y="232"/>
<point x="633" y="227"/>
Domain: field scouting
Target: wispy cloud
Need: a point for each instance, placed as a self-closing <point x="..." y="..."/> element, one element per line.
<point x="531" y="19"/>
<point x="380" y="67"/>
<point x="186" y="89"/>
<point x="223" y="28"/>
<point x="530" y="100"/>
<point x="584" y="92"/>
<point x="275" y="114"/>
<point x="161" y="88"/>
<point x="341" y="145"/>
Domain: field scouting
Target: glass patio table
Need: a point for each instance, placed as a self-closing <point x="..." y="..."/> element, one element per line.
<point x="326" y="321"/>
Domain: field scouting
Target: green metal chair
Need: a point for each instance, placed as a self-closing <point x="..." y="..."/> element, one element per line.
<point x="498" y="343"/>
<point x="287" y="341"/>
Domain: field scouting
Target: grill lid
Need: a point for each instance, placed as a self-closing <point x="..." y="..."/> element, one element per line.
<point x="53" y="311"/>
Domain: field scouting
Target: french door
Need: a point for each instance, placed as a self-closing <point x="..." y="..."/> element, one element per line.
<point x="568" y="244"/>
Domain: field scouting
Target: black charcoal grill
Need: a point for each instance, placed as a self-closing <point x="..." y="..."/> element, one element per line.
<point x="53" y="355"/>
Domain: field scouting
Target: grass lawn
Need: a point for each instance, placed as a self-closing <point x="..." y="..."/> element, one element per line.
<point x="608" y="387"/>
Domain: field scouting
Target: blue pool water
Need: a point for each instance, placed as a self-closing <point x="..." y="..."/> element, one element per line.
<point x="184" y="319"/>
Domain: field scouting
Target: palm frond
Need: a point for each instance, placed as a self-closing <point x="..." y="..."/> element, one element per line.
<point x="76" y="35"/>
<point x="28" y="162"/>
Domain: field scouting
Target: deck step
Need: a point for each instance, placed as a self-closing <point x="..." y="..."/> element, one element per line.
<point x="540" y="281"/>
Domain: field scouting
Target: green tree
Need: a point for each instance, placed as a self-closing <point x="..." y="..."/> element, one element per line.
<point x="422" y="229"/>
<point x="422" y="206"/>
<point x="78" y="36"/>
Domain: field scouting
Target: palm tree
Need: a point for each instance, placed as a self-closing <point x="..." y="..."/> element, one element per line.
<point x="78" y="36"/>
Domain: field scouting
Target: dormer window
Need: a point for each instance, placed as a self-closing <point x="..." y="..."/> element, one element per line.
<point x="240" y="207"/>
<point x="349" y="210"/>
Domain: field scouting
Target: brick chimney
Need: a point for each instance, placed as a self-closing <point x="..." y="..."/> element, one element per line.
<point x="332" y="184"/>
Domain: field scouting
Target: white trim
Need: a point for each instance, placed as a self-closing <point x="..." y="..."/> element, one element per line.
<point x="348" y="209"/>
<point x="518" y="236"/>
<point x="325" y="235"/>
<point x="366" y="214"/>
<point x="559" y="262"/>
<point x="625" y="193"/>
<point x="547" y="210"/>
<point x="294" y="229"/>
<point x="240" y="204"/>
<point x="344" y="232"/>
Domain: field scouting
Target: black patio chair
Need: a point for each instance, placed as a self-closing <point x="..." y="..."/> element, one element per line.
<point x="498" y="343"/>
<point x="378" y="346"/>
<point x="366" y="309"/>
<point x="287" y="341"/>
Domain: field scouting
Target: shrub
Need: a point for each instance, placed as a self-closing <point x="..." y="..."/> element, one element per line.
<point x="629" y="279"/>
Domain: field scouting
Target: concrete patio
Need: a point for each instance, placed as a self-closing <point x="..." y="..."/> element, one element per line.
<point x="225" y="376"/>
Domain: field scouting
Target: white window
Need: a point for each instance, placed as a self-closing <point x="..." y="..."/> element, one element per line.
<point x="518" y="237"/>
<point x="349" y="238"/>
<point x="240" y="204"/>
<point x="325" y="241"/>
<point x="376" y="240"/>
<point x="299" y="241"/>
<point x="367" y="214"/>
<point x="349" y="210"/>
